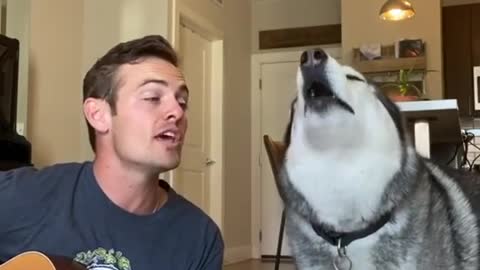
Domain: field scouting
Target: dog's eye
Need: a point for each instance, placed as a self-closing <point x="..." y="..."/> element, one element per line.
<point x="354" y="78"/>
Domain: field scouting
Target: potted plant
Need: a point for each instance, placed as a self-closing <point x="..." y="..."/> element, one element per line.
<point x="403" y="89"/>
<point x="407" y="89"/>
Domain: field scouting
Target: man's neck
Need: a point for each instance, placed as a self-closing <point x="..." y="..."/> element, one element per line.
<point x="132" y="189"/>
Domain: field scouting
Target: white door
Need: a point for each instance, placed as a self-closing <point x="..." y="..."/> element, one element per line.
<point x="278" y="89"/>
<point x="192" y="177"/>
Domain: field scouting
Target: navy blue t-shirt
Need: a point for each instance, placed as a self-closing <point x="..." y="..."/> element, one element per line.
<point x="61" y="210"/>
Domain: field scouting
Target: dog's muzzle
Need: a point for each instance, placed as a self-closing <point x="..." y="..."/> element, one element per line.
<point x="317" y="90"/>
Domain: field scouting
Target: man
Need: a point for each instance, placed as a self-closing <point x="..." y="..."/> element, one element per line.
<point x="114" y="213"/>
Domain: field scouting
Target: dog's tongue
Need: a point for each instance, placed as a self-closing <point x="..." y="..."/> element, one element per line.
<point x="318" y="89"/>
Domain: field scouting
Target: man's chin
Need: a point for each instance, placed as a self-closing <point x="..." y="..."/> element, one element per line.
<point x="168" y="165"/>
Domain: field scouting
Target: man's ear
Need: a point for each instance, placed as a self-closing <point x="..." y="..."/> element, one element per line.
<point x="97" y="113"/>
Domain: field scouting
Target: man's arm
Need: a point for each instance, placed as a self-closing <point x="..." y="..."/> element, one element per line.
<point x="17" y="195"/>
<point x="214" y="255"/>
<point x="7" y="199"/>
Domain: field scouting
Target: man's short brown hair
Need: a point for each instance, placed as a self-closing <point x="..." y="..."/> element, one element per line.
<point x="101" y="81"/>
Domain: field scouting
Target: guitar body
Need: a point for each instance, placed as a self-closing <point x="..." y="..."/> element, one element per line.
<point x="39" y="261"/>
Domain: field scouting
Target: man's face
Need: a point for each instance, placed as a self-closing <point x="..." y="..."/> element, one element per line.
<point x="149" y="126"/>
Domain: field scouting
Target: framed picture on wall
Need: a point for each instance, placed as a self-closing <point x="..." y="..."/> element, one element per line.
<point x="411" y="48"/>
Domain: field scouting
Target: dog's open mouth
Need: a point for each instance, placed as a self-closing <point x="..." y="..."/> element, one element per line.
<point x="319" y="97"/>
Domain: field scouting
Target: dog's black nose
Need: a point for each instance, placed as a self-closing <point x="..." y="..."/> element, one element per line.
<point x="313" y="57"/>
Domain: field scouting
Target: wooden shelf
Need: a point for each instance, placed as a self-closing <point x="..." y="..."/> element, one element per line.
<point x="388" y="62"/>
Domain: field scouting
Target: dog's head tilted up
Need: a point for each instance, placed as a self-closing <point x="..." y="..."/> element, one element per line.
<point x="336" y="107"/>
<point x="343" y="129"/>
<point x="351" y="177"/>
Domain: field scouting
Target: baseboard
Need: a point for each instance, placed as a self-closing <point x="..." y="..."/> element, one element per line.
<point x="237" y="254"/>
<point x="256" y="252"/>
<point x="272" y="258"/>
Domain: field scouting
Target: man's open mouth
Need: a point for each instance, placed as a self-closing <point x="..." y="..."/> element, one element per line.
<point x="319" y="97"/>
<point x="170" y="136"/>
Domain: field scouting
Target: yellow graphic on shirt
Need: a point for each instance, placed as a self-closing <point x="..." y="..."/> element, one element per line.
<point x="101" y="259"/>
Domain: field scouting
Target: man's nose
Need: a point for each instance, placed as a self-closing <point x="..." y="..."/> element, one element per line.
<point x="174" y="111"/>
<point x="313" y="58"/>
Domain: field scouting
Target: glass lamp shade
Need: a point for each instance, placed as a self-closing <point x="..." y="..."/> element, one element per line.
<point x="396" y="10"/>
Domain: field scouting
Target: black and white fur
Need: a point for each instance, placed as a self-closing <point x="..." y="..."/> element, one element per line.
<point x="349" y="161"/>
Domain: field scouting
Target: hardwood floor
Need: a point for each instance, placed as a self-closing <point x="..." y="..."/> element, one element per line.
<point x="258" y="265"/>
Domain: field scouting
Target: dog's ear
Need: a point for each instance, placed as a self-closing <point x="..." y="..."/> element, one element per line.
<point x="288" y="131"/>
<point x="394" y="112"/>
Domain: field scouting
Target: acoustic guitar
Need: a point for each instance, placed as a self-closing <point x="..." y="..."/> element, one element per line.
<point x="39" y="261"/>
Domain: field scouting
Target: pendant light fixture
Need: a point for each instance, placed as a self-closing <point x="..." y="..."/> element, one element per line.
<point x="396" y="10"/>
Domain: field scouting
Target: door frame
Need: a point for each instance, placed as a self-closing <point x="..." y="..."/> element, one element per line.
<point x="178" y="15"/>
<point x="257" y="60"/>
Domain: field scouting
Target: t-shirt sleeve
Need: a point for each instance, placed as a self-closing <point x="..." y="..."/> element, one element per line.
<point x="9" y="197"/>
<point x="213" y="259"/>
<point x="20" y="198"/>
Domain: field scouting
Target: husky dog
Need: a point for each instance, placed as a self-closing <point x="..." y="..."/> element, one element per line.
<point x="356" y="193"/>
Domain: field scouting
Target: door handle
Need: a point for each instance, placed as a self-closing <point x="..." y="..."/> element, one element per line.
<point x="209" y="162"/>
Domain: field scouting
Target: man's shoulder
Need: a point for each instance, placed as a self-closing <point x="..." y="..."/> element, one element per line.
<point x="198" y="224"/>
<point x="70" y="168"/>
<point x="27" y="188"/>
<point x="55" y="169"/>
<point x="32" y="176"/>
<point x="193" y="213"/>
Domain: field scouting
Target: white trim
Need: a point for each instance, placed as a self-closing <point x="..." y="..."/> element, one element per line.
<point x="255" y="159"/>
<point x="428" y="105"/>
<point x="217" y="185"/>
<point x="172" y="22"/>
<point x="181" y="14"/>
<point x="476" y="75"/>
<point x="257" y="143"/>
<point x="237" y="254"/>
<point x="171" y="36"/>
<point x="422" y="138"/>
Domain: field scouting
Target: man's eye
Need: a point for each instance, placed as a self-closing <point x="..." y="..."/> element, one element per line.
<point x="183" y="104"/>
<point x="152" y="99"/>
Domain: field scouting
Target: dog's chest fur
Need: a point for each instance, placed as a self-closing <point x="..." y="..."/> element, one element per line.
<point x="342" y="189"/>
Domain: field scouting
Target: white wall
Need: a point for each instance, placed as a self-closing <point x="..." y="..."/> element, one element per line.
<point x="18" y="26"/>
<point x="60" y="40"/>
<point x="278" y="14"/>
<point x="54" y="80"/>
<point x="108" y="22"/>
<point x="237" y="139"/>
